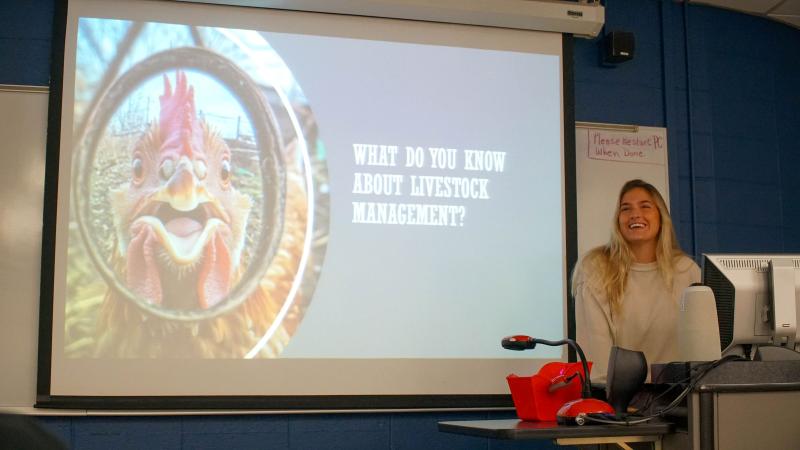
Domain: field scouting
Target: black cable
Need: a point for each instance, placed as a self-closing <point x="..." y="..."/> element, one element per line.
<point x="705" y="366"/>
<point x="693" y="380"/>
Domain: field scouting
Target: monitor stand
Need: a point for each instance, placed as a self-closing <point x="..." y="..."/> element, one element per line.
<point x="773" y="353"/>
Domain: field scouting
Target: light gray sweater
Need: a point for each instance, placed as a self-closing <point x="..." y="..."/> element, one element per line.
<point x="646" y="320"/>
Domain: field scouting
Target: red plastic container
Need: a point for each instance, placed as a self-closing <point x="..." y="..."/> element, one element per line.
<point x="538" y="397"/>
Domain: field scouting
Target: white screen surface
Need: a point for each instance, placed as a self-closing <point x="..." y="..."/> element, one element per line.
<point x="376" y="197"/>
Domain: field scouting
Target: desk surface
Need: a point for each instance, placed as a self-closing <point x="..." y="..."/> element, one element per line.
<point x="518" y="429"/>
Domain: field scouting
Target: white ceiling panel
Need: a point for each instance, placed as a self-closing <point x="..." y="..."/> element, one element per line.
<point x="750" y="6"/>
<point x="786" y="11"/>
<point x="787" y="7"/>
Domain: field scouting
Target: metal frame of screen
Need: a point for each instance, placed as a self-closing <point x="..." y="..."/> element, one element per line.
<point x="263" y="403"/>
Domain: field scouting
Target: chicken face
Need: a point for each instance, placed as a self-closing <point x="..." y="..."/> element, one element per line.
<point x="179" y="221"/>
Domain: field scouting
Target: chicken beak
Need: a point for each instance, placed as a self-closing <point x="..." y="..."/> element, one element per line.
<point x="183" y="191"/>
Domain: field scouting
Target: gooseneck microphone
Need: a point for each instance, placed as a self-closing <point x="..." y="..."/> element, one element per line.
<point x="522" y="342"/>
<point x="518" y="342"/>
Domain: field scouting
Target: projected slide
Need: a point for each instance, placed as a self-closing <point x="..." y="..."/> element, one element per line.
<point x="249" y="202"/>
<point x="208" y="185"/>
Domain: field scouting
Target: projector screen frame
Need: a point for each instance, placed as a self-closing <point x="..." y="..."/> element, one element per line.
<point x="273" y="403"/>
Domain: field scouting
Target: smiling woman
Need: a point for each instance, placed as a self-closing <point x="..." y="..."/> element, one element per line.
<point x="640" y="222"/>
<point x="627" y="291"/>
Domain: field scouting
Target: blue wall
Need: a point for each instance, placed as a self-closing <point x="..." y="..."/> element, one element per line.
<point x="734" y="185"/>
<point x="412" y="431"/>
<point x="735" y="153"/>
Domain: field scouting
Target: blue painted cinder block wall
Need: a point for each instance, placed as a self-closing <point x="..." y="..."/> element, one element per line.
<point x="723" y="83"/>
<point x="735" y="152"/>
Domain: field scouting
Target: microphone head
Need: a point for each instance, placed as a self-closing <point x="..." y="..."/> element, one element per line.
<point x="518" y="342"/>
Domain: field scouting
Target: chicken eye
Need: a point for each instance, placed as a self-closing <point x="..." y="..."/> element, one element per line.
<point x="137" y="168"/>
<point x="167" y="169"/>
<point x="200" y="169"/>
<point x="225" y="172"/>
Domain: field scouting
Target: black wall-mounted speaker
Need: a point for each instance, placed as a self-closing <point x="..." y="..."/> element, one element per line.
<point x="618" y="46"/>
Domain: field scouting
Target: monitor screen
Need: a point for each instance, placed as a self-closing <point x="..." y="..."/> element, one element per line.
<point x="283" y="205"/>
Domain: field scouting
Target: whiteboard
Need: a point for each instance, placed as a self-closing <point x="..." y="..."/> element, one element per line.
<point x="23" y="124"/>
<point x="606" y="157"/>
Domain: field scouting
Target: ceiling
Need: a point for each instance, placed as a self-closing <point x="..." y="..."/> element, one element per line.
<point x="786" y="11"/>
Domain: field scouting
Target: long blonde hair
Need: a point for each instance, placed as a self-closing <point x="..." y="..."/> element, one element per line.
<point x="607" y="266"/>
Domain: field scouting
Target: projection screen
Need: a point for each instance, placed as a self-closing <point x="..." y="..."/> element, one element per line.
<point x="280" y="209"/>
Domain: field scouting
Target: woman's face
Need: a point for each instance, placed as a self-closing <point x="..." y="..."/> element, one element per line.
<point x="639" y="219"/>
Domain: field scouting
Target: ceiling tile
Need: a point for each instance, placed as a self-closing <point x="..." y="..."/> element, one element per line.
<point x="786" y="11"/>
<point x="788" y="7"/>
<point x="751" y="6"/>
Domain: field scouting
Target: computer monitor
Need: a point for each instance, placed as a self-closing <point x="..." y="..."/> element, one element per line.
<point x="757" y="297"/>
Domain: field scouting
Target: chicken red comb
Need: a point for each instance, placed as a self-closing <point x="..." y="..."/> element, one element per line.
<point x="178" y="120"/>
